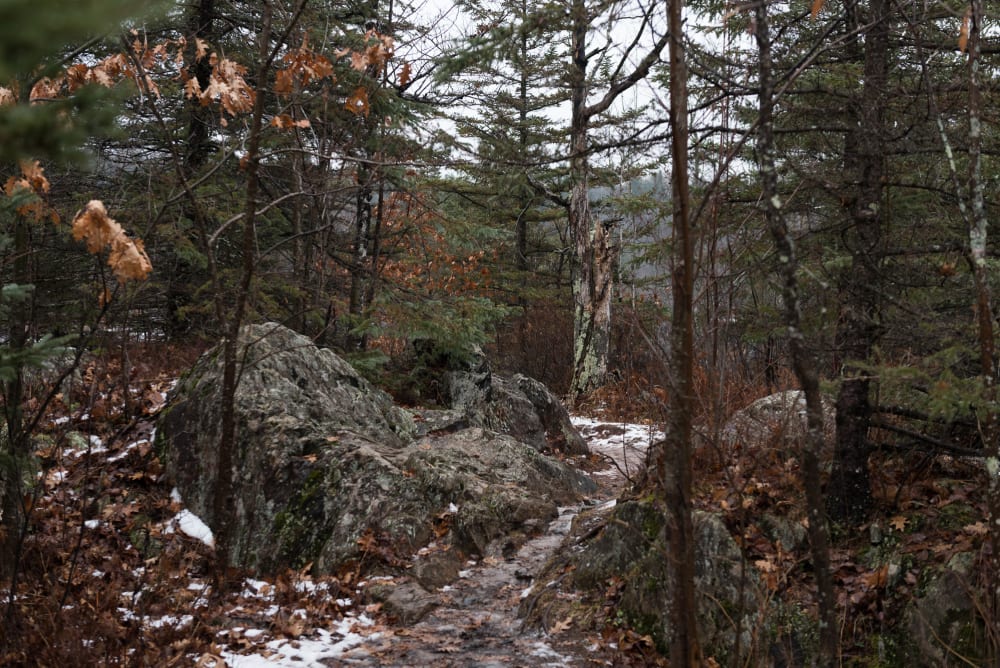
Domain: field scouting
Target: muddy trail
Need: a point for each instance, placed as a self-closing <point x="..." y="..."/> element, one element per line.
<point x="474" y="621"/>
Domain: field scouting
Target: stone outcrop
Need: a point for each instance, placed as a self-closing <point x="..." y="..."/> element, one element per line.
<point x="518" y="406"/>
<point x="944" y="621"/>
<point x="628" y="547"/>
<point x="328" y="469"/>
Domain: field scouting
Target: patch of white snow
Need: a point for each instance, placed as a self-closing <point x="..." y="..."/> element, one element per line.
<point x="191" y="525"/>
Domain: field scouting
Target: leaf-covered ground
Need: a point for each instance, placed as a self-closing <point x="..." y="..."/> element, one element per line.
<point x="115" y="571"/>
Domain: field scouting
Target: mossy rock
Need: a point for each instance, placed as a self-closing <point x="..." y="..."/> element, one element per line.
<point x="323" y="458"/>
<point x="627" y="550"/>
<point x="944" y="622"/>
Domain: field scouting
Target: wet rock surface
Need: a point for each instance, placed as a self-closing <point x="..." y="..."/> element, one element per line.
<point x="478" y="617"/>
<point x="474" y="621"/>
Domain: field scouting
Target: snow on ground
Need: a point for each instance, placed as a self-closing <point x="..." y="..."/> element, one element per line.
<point x="625" y="443"/>
<point x="191" y="525"/>
<point x="307" y="652"/>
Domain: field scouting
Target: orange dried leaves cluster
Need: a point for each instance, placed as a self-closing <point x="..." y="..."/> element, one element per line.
<point x="373" y="57"/>
<point x="227" y="85"/>
<point x="378" y="52"/>
<point x="32" y="180"/>
<point x="127" y="259"/>
<point x="302" y="67"/>
<point x="358" y="103"/>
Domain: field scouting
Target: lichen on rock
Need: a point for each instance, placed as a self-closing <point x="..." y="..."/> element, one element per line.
<point x="324" y="458"/>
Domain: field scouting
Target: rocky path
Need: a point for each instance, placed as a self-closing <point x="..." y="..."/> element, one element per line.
<point x="474" y="620"/>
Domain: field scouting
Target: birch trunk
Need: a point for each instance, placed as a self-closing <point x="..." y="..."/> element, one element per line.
<point x="802" y="362"/>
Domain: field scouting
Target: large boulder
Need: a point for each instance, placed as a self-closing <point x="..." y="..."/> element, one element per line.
<point x="327" y="468"/>
<point x="519" y="406"/>
<point x="620" y="559"/>
<point x="777" y="423"/>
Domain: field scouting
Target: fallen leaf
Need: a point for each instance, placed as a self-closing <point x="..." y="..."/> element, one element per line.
<point x="977" y="529"/>
<point x="562" y="625"/>
<point x="876" y="579"/>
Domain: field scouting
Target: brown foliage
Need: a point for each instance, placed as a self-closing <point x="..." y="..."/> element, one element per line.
<point x="127" y="258"/>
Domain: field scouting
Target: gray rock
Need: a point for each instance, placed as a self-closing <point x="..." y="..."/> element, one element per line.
<point x="628" y="545"/>
<point x="408" y="602"/>
<point x="785" y="530"/>
<point x="777" y="422"/>
<point x="437" y="569"/>
<point x="477" y="397"/>
<point x="520" y="407"/>
<point x="497" y="482"/>
<point x="323" y="458"/>
<point x="944" y="621"/>
<point x="560" y="433"/>
<point x="431" y="421"/>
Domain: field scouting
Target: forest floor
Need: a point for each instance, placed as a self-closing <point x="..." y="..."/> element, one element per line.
<point x="117" y="568"/>
<point x="116" y="572"/>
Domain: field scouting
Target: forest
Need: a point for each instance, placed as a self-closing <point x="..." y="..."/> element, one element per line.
<point x="662" y="211"/>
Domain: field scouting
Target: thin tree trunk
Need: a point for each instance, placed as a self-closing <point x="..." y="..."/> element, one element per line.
<point x="978" y="232"/>
<point x="802" y="362"/>
<point x="362" y="240"/>
<point x="200" y="117"/>
<point x="14" y="518"/>
<point x="223" y="502"/>
<point x="685" y="649"/>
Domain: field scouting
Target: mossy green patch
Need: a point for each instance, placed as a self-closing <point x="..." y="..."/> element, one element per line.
<point x="299" y="528"/>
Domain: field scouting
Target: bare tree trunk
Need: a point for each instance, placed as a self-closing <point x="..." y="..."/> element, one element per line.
<point x="223" y="502"/>
<point x="367" y="210"/>
<point x="200" y="117"/>
<point x="595" y="256"/>
<point x="197" y="148"/>
<point x="978" y="232"/>
<point x="593" y="267"/>
<point x="360" y="261"/>
<point x="674" y="470"/>
<point x="15" y="445"/>
<point x="802" y="361"/>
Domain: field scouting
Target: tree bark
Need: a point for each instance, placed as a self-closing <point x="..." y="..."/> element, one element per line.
<point x="367" y="218"/>
<point x="849" y="495"/>
<point x="593" y="267"/>
<point x="223" y="501"/>
<point x="674" y="470"/>
<point x="802" y="362"/>
<point x="978" y="232"/>
<point x="595" y="254"/>
<point x="200" y="117"/>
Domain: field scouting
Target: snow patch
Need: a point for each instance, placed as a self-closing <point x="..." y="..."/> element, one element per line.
<point x="543" y="651"/>
<point x="191" y="525"/>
